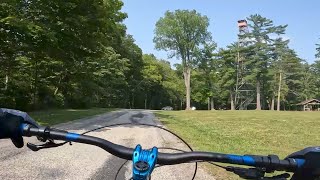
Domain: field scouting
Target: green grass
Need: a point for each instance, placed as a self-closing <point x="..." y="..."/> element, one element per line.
<point x="245" y="132"/>
<point x="51" y="117"/>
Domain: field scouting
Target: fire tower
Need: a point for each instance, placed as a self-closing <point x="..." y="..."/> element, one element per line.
<point x="244" y="91"/>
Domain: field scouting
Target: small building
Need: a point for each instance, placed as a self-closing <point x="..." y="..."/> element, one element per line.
<point x="309" y="105"/>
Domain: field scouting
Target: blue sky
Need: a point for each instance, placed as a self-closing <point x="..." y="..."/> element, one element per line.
<point x="302" y="17"/>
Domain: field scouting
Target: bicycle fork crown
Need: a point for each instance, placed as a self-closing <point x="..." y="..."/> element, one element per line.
<point x="144" y="162"/>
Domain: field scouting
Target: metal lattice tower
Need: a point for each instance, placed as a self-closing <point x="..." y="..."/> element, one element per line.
<point x="244" y="95"/>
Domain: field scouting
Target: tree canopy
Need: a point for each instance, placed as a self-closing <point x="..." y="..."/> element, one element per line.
<point x="78" y="54"/>
<point x="182" y="33"/>
<point x="73" y="54"/>
<point x="318" y="51"/>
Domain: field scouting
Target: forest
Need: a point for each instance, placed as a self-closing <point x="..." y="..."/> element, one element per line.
<point x="78" y="54"/>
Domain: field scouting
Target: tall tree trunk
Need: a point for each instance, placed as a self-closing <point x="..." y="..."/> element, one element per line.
<point x="132" y="103"/>
<point x="208" y="103"/>
<point x="57" y="88"/>
<point x="212" y="104"/>
<point x="6" y="82"/>
<point x="279" y="92"/>
<point x="272" y="103"/>
<point x="186" y="74"/>
<point x="237" y="82"/>
<point x="35" y="85"/>
<point x="56" y="91"/>
<point x="258" y="96"/>
<point x="232" y="101"/>
<point x="145" y="102"/>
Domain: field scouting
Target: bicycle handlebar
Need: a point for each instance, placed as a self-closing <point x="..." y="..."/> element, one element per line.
<point x="270" y="162"/>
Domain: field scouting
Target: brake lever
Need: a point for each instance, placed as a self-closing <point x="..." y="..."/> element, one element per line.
<point x="49" y="144"/>
<point x="255" y="173"/>
<point x="283" y="176"/>
<point x="247" y="173"/>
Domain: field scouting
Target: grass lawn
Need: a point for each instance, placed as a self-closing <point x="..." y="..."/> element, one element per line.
<point x="244" y="132"/>
<point x="51" y="117"/>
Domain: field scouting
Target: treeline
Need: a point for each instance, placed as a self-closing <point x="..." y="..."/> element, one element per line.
<point x="259" y="71"/>
<point x="262" y="63"/>
<point x="76" y="54"/>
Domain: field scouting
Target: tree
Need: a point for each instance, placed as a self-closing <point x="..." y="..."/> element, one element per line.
<point x="227" y="74"/>
<point x="77" y="54"/>
<point x="285" y="72"/>
<point x="308" y="82"/>
<point x="279" y="66"/>
<point x="56" y="53"/>
<point x="15" y="34"/>
<point x="316" y="69"/>
<point x="316" y="75"/>
<point x="172" y="85"/>
<point x="151" y="77"/>
<point x="133" y="53"/>
<point x="160" y="86"/>
<point x="182" y="32"/>
<point x="204" y="76"/>
<point x="318" y="51"/>
<point x="261" y="39"/>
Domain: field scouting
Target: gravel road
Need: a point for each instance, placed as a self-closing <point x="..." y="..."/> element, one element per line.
<point x="81" y="161"/>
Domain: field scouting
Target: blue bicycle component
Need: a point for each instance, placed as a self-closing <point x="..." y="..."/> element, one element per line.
<point x="144" y="162"/>
<point x="244" y="160"/>
<point x="304" y="164"/>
